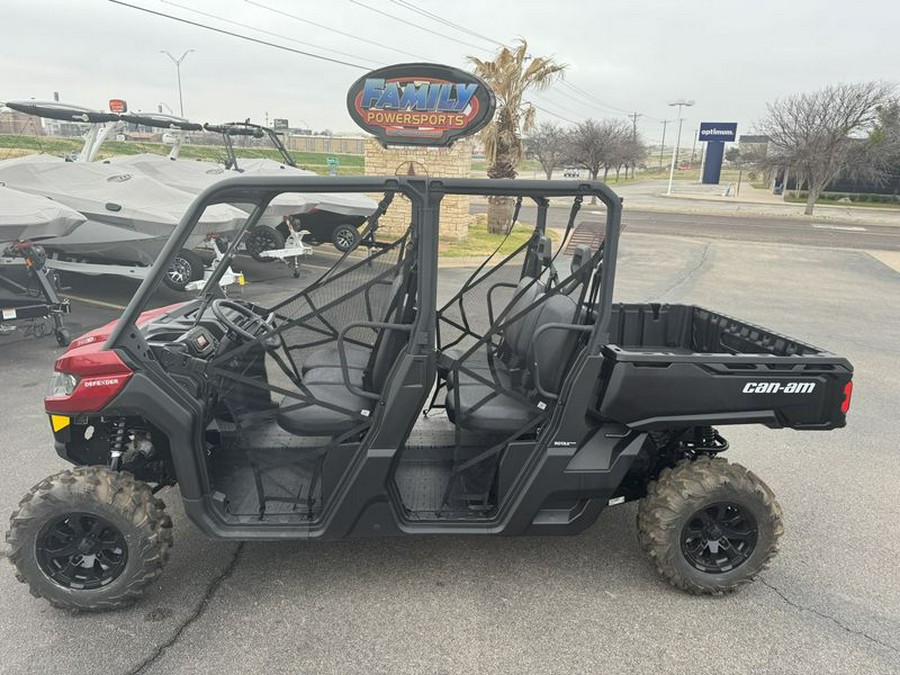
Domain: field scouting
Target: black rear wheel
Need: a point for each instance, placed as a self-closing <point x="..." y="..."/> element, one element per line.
<point x="345" y="237"/>
<point x="710" y="526"/>
<point x="89" y="539"/>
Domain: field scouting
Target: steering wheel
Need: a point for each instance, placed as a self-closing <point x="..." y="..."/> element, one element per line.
<point x="250" y="329"/>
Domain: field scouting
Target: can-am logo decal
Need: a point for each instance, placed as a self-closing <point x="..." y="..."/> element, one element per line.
<point x="119" y="178"/>
<point x="779" y="387"/>
<point x="420" y="104"/>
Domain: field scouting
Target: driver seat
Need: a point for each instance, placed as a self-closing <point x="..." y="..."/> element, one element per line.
<point x="328" y="406"/>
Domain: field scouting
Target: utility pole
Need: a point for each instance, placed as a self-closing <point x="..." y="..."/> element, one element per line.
<point x="177" y="63"/>
<point x="662" y="147"/>
<point x="634" y="118"/>
<point x="681" y="103"/>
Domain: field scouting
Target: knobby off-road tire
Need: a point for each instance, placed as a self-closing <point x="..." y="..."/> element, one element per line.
<point x="700" y="487"/>
<point x="99" y="495"/>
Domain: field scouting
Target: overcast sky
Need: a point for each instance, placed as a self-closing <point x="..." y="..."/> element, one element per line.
<point x="636" y="55"/>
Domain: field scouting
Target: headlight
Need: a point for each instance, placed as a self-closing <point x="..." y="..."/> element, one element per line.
<point x="62" y="384"/>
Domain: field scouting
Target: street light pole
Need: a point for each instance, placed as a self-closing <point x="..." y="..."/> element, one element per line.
<point x="177" y="63"/>
<point x="681" y="103"/>
<point x="662" y="147"/>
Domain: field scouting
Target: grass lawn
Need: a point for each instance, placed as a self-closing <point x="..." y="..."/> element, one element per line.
<point x="14" y="146"/>
<point x="480" y="243"/>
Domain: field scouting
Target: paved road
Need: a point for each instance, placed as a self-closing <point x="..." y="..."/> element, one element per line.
<point x="592" y="603"/>
<point x="736" y="228"/>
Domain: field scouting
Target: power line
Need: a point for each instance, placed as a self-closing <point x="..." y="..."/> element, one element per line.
<point x="590" y="106"/>
<point x="593" y="99"/>
<point x="424" y="12"/>
<point x="266" y="32"/>
<point x="417" y="26"/>
<point x="560" y="107"/>
<point x="329" y="28"/>
<point x="222" y="31"/>
<point x="550" y="112"/>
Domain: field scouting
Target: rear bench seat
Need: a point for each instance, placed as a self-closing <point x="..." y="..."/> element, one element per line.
<point x="493" y="409"/>
<point x="504" y="356"/>
<point x="511" y="401"/>
<point x="507" y="361"/>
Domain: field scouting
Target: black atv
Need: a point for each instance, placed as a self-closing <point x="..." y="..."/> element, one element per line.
<point x="544" y="402"/>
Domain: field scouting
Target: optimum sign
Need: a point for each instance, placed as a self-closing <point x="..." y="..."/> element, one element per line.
<point x="420" y="104"/>
<point x="718" y="131"/>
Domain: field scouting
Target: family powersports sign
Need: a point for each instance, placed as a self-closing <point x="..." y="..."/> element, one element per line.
<point x="420" y="104"/>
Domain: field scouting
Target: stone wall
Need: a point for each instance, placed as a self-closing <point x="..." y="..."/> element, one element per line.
<point x="454" y="162"/>
<point x="338" y="145"/>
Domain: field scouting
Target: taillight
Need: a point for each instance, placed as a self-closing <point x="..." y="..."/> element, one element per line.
<point x="85" y="383"/>
<point x="848" y="394"/>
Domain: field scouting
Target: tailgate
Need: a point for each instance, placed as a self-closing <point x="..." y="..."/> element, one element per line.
<point x="654" y="389"/>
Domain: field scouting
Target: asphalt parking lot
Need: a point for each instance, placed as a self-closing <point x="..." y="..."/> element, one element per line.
<point x="592" y="603"/>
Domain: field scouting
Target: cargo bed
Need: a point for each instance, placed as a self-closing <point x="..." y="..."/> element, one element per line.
<point x="681" y="365"/>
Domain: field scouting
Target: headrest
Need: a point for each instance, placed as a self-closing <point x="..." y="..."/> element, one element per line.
<point x="544" y="251"/>
<point x="581" y="261"/>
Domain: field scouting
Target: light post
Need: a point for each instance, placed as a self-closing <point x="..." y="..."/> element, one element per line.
<point x="681" y="103"/>
<point x="662" y="147"/>
<point x="177" y="63"/>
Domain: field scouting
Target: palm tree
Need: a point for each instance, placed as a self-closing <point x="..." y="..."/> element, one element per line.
<point x="511" y="74"/>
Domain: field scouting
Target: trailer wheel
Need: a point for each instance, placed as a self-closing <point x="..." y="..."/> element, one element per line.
<point x="263" y="238"/>
<point x="186" y="267"/>
<point x="89" y="539"/>
<point x="345" y="237"/>
<point x="709" y="526"/>
<point x="63" y="338"/>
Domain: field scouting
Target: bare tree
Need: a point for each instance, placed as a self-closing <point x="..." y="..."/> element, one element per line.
<point x="814" y="135"/>
<point x="627" y="151"/>
<point x="593" y="145"/>
<point x="548" y="144"/>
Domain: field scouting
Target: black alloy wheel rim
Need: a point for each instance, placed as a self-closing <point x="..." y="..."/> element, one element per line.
<point x="719" y="537"/>
<point x="180" y="271"/>
<point x="345" y="238"/>
<point x="81" y="551"/>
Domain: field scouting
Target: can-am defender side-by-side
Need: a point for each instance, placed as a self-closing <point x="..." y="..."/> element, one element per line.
<point x="302" y="419"/>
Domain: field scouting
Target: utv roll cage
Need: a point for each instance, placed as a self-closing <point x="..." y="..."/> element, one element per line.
<point x="409" y="324"/>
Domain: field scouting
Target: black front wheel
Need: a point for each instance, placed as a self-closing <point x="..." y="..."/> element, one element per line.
<point x="710" y="526"/>
<point x="89" y="539"/>
<point x="345" y="237"/>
